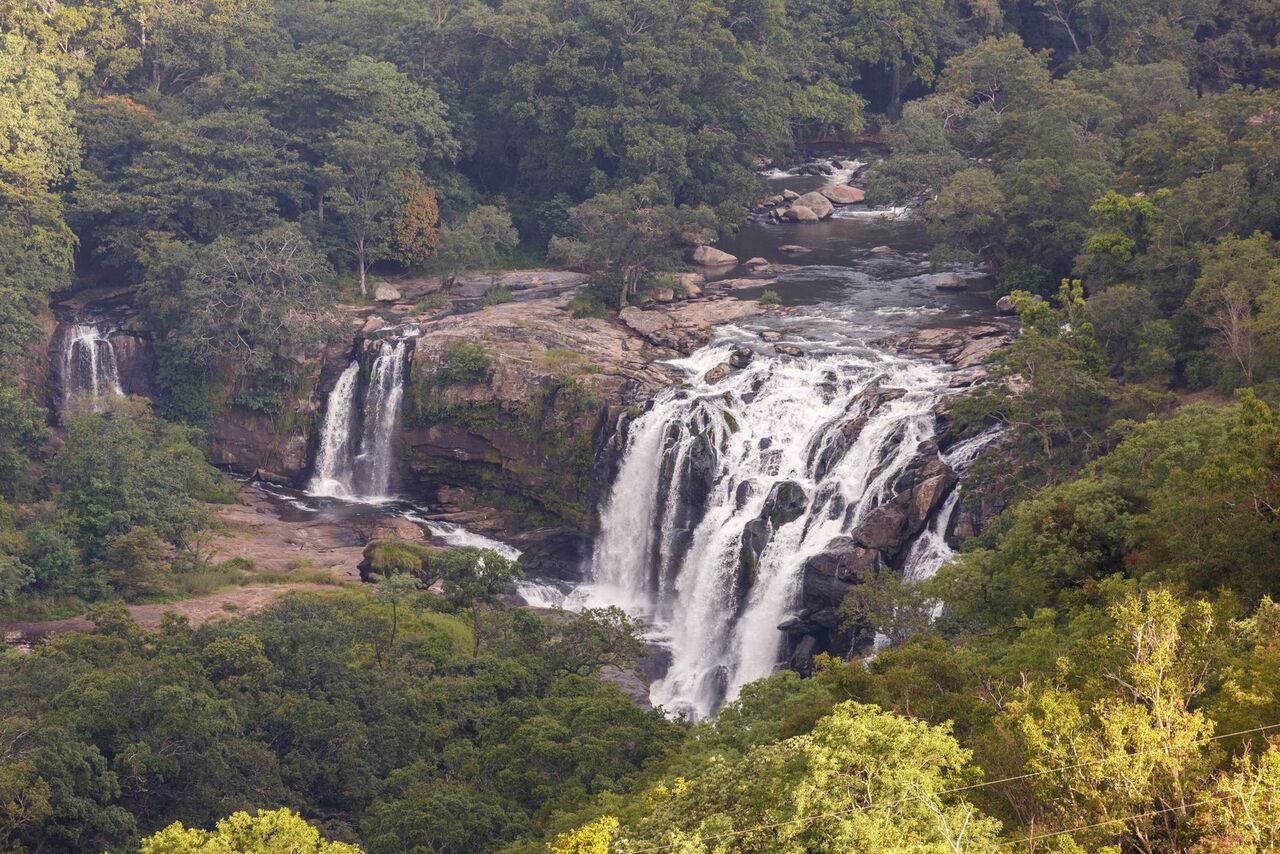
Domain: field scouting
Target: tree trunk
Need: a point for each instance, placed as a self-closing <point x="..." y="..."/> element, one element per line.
<point x="364" y="291"/>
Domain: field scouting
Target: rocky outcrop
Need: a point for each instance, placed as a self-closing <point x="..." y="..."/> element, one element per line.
<point x="842" y="194"/>
<point x="259" y="444"/>
<point x="709" y="256"/>
<point x="686" y="326"/>
<point x="965" y="346"/>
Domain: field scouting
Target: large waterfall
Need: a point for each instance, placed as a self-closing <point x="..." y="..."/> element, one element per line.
<point x="356" y="456"/>
<point x="783" y="456"/>
<point x="89" y="367"/>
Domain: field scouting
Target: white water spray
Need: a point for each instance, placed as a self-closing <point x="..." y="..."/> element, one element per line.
<point x="89" y="367"/>
<point x="709" y="468"/>
<point x="360" y="468"/>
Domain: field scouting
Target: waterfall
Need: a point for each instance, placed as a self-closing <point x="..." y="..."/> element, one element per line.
<point x="930" y="552"/>
<point x="89" y="366"/>
<point x="726" y="489"/>
<point x="360" y="467"/>
<point x="333" y="472"/>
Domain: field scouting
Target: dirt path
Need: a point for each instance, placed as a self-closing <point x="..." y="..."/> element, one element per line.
<point x="201" y="609"/>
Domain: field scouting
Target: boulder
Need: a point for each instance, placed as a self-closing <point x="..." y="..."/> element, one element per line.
<point x="785" y="503"/>
<point x="757" y="262"/>
<point x="817" y="203"/>
<point x="646" y="323"/>
<point x="709" y="256"/>
<point x="793" y="249"/>
<point x="717" y="373"/>
<point x="663" y="294"/>
<point x="881" y="250"/>
<point x="693" y="283"/>
<point x="843" y="194"/>
<point x="384" y="292"/>
<point x="741" y="357"/>
<point x="1004" y="305"/>
<point x="787" y="350"/>
<point x="950" y="282"/>
<point x="372" y="325"/>
<point x="770" y="335"/>
<point x="800" y="213"/>
<point x="790" y="195"/>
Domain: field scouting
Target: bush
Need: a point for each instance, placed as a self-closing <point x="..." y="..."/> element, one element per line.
<point x="587" y="304"/>
<point x="770" y="298"/>
<point x="433" y="302"/>
<point x="497" y="295"/>
<point x="464" y="362"/>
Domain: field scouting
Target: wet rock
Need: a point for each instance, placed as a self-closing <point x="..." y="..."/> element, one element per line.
<point x="372" y="324"/>
<point x="800" y="213"/>
<point x="384" y="292"/>
<point x="793" y="249"/>
<point x="757" y="263"/>
<point x="717" y="373"/>
<point x="962" y="346"/>
<point x="787" y="350"/>
<point x="790" y="195"/>
<point x="770" y="335"/>
<point x="741" y="357"/>
<point x="844" y="195"/>
<point x="817" y="203"/>
<point x="709" y="256"/>
<point x="950" y="282"/>
<point x="881" y="250"/>
<point x="785" y="503"/>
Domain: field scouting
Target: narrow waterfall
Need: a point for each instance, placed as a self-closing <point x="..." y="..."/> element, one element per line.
<point x="727" y="487"/>
<point x="89" y="367"/>
<point x="355" y="459"/>
<point x="931" y="551"/>
<point x="332" y="475"/>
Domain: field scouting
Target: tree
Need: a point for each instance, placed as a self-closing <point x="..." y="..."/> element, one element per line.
<point x="415" y="232"/>
<point x="597" y="637"/>
<point x="366" y="175"/>
<point x="1137" y="750"/>
<point x="478" y="241"/>
<point x="135" y="563"/>
<point x="1244" y="812"/>
<point x="279" y="831"/>
<point x="772" y="797"/>
<point x="126" y="469"/>
<point x="624" y="235"/>
<point x="247" y="300"/>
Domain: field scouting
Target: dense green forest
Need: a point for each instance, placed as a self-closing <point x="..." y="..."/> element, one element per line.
<point x="1105" y="674"/>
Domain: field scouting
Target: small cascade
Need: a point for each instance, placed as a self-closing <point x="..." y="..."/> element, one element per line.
<point x="356" y="456"/>
<point x="727" y="488"/>
<point x="930" y="552"/>
<point x="89" y="367"/>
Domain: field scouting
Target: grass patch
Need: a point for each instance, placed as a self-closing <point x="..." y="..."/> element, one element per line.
<point x="587" y="304"/>
<point x="770" y="298"/>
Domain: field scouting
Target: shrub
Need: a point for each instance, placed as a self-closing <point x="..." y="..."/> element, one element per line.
<point x="464" y="362"/>
<point x="497" y="295"/>
<point x="587" y="304"/>
<point x="770" y="298"/>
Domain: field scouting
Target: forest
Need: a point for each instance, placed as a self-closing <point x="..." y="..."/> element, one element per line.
<point x="1096" y="670"/>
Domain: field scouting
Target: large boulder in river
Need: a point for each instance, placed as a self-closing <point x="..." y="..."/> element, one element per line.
<point x="843" y="194"/>
<point x="709" y="256"/>
<point x="817" y="203"/>
<point x="800" y="213"/>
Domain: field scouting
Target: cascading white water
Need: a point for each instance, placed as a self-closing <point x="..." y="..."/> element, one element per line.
<point x="709" y="459"/>
<point x="361" y="469"/>
<point x="382" y="399"/>
<point x="332" y="474"/>
<point x="89" y="367"/>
